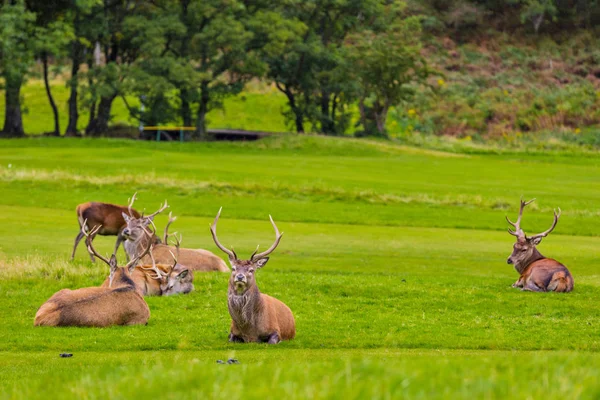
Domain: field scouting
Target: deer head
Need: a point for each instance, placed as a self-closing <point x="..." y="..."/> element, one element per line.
<point x="112" y="262"/>
<point x="524" y="249"/>
<point x="179" y="278"/>
<point x="137" y="227"/>
<point x="242" y="271"/>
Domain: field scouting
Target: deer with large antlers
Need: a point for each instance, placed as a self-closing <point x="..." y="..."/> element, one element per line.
<point x="162" y="279"/>
<point x="538" y="273"/>
<point x="193" y="259"/>
<point x="255" y="316"/>
<point x="108" y="216"/>
<point x="118" y="303"/>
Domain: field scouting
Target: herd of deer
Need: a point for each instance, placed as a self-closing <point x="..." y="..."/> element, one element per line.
<point x="155" y="267"/>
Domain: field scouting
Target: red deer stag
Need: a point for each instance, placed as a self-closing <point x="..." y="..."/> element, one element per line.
<point x="119" y="303"/>
<point x="255" y="317"/>
<point x="162" y="279"/>
<point x="538" y="273"/>
<point x="193" y="259"/>
<point x="108" y="216"/>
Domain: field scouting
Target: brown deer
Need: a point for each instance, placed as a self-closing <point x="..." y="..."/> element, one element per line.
<point x="161" y="279"/>
<point x="194" y="259"/>
<point x="255" y="317"/>
<point x="108" y="216"/>
<point x="118" y="303"/>
<point x="538" y="273"/>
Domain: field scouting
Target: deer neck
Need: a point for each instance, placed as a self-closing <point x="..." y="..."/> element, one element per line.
<point x="244" y="308"/>
<point x="135" y="247"/>
<point x="533" y="257"/>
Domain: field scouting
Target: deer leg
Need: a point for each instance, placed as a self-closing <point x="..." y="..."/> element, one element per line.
<point x="77" y="240"/>
<point x="518" y="283"/>
<point x="120" y="240"/>
<point x="274" y="338"/>
<point x="532" y="287"/>
<point x="235" y="339"/>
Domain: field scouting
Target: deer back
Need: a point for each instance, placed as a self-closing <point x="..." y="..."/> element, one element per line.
<point x="94" y="306"/>
<point x="194" y="259"/>
<point x="109" y="216"/>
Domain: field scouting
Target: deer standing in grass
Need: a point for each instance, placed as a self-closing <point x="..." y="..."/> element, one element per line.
<point x="108" y="216"/>
<point x="193" y="259"/>
<point x="255" y="316"/>
<point x="162" y="279"/>
<point x="538" y="273"/>
<point x="118" y="303"/>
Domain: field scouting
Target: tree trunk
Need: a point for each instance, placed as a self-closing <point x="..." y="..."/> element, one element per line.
<point x="13" y="120"/>
<point x="380" y="114"/>
<point x="327" y="125"/>
<point x="56" y="131"/>
<point x="298" y="117"/>
<point x="74" y="85"/>
<point x="201" y="131"/>
<point x="186" y="111"/>
<point x="99" y="124"/>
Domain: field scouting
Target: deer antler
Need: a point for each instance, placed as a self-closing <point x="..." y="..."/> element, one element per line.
<point x="518" y="232"/>
<point x="273" y="246"/>
<point x="213" y="231"/>
<point x="131" y="201"/>
<point x="135" y="259"/>
<point x="161" y="209"/>
<point x="175" y="258"/>
<point x="89" y="236"/>
<point x="166" y="234"/>
<point x="546" y="232"/>
<point x="159" y="274"/>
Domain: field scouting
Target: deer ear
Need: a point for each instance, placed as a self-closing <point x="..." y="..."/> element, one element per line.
<point x="125" y="217"/>
<point x="261" y="263"/>
<point x="536" y="241"/>
<point x="183" y="274"/>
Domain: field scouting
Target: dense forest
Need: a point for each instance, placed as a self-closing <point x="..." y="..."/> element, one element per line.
<point x="480" y="68"/>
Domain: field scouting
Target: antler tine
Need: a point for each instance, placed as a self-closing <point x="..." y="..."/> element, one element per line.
<point x="157" y="271"/>
<point x="131" y="201"/>
<point x="518" y="232"/>
<point x="547" y="232"/>
<point x="135" y="259"/>
<point x="213" y="231"/>
<point x="171" y="220"/>
<point x="89" y="236"/>
<point x="161" y="209"/>
<point x="177" y="244"/>
<point x="273" y="246"/>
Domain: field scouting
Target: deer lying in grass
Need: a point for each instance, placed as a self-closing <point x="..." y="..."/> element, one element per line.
<point x="118" y="303"/>
<point x="161" y="279"/>
<point x="108" y="216"/>
<point x="194" y="259"/>
<point x="538" y="273"/>
<point x="255" y="317"/>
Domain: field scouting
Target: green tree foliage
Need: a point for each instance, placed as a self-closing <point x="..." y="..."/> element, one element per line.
<point x="384" y="61"/>
<point x="307" y="71"/>
<point x="17" y="33"/>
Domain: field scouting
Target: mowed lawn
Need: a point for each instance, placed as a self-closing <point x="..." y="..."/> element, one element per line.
<point x="393" y="262"/>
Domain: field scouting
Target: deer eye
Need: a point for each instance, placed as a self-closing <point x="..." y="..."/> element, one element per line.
<point x="251" y="270"/>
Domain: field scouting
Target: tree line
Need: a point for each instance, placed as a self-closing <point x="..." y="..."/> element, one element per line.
<point x="182" y="58"/>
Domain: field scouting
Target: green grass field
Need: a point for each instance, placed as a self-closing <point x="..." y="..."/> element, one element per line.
<point x="393" y="262"/>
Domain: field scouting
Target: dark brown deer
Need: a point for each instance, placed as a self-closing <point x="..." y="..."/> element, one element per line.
<point x="255" y="316"/>
<point x="193" y="259"/>
<point x="538" y="273"/>
<point x="108" y="216"/>
<point x="118" y="303"/>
